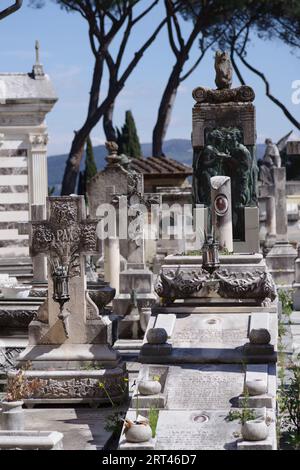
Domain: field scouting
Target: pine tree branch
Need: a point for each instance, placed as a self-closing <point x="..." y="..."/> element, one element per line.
<point x="11" y="9"/>
<point x="275" y="100"/>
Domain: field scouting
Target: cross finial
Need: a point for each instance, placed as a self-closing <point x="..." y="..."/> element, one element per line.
<point x="37" y="71"/>
<point x="37" y="52"/>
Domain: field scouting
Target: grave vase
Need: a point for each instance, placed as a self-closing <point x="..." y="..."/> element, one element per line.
<point x="255" y="430"/>
<point x="12" y="418"/>
<point x="149" y="387"/>
<point x="138" y="431"/>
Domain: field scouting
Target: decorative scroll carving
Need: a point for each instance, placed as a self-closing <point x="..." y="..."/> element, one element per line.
<point x="16" y="318"/>
<point x="259" y="288"/>
<point x="242" y="94"/>
<point x="181" y="284"/>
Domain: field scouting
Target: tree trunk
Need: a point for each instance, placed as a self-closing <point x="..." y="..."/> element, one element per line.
<point x="165" y="110"/>
<point x="73" y="164"/>
<point x="108" y="127"/>
<point x="77" y="147"/>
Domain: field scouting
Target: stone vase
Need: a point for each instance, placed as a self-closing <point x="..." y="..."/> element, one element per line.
<point x="138" y="431"/>
<point x="12" y="416"/>
<point x="256" y="387"/>
<point x="255" y="430"/>
<point x="149" y="387"/>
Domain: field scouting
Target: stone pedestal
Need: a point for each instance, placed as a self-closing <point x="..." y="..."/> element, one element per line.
<point x="112" y="262"/>
<point x="281" y="257"/>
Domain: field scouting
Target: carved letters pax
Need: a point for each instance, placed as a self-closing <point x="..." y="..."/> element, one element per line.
<point x="65" y="235"/>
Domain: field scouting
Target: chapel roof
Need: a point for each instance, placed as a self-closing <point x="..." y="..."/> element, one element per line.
<point x="160" y="166"/>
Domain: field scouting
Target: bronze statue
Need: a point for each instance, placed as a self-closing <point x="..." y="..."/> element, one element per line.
<point x="225" y="154"/>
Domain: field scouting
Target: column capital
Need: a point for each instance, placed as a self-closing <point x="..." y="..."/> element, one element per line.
<point x="38" y="141"/>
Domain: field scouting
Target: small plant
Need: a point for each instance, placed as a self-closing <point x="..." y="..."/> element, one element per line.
<point x="114" y="423"/>
<point x="289" y="403"/>
<point x="246" y="414"/>
<point x="94" y="365"/>
<point x="153" y="418"/>
<point x="286" y="299"/>
<point x="19" y="387"/>
<point x="194" y="253"/>
<point x="226" y="252"/>
<point x="243" y="415"/>
<point x="156" y="378"/>
<point x="281" y="329"/>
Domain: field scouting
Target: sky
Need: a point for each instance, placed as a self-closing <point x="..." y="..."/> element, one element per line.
<point x="67" y="59"/>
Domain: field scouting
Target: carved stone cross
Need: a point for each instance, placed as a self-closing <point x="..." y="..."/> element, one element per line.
<point x="65" y="235"/>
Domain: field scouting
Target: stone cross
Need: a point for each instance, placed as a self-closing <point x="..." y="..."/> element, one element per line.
<point x="37" y="53"/>
<point x="65" y="237"/>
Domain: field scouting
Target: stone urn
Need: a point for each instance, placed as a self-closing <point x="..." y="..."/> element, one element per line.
<point x="101" y="294"/>
<point x="256" y="387"/>
<point x="149" y="387"/>
<point x="12" y="416"/>
<point x="255" y="430"/>
<point x="259" y="336"/>
<point x="137" y="431"/>
<point x="157" y="336"/>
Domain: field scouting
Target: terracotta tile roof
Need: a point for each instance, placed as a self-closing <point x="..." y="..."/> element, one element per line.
<point x="160" y="166"/>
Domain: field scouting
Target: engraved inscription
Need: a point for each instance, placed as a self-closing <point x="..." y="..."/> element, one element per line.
<point x="203" y="387"/>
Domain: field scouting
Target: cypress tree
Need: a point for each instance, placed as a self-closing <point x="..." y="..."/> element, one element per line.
<point x="90" y="163"/>
<point x="128" y="139"/>
<point x="90" y="169"/>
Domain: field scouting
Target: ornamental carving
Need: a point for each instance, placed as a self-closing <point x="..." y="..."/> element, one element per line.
<point x="181" y="284"/>
<point x="64" y="236"/>
<point x="242" y="94"/>
<point x="39" y="139"/>
<point x="82" y="387"/>
<point x="14" y="319"/>
<point x="63" y="213"/>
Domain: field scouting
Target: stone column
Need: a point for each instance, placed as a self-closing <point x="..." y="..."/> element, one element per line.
<point x="112" y="262"/>
<point x="270" y="216"/>
<point x="37" y="169"/>
<point x="39" y="261"/>
<point x="279" y="175"/>
<point x="221" y="211"/>
<point x="296" y="285"/>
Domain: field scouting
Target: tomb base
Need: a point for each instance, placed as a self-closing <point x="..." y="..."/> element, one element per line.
<point x="78" y="375"/>
<point x="281" y="264"/>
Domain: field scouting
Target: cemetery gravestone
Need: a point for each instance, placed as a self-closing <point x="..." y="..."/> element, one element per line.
<point x="69" y="342"/>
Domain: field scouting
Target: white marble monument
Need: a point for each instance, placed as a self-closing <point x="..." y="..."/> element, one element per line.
<point x="25" y="100"/>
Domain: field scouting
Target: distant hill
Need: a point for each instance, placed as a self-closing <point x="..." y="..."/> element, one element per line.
<point x="178" y="149"/>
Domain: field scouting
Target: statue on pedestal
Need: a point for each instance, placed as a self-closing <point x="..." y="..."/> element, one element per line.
<point x="270" y="160"/>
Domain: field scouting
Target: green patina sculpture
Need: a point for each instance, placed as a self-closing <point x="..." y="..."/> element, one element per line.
<point x="225" y="154"/>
